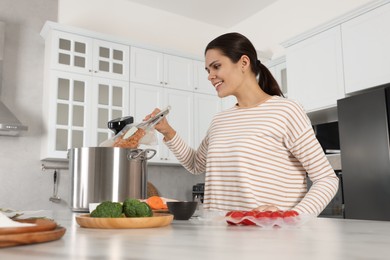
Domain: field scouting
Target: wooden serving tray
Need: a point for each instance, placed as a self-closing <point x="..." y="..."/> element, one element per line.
<point x="27" y="238"/>
<point x="40" y="225"/>
<point x="161" y="211"/>
<point x="157" y="220"/>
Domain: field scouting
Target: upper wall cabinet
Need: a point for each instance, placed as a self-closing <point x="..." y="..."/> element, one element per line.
<point x="366" y="51"/>
<point x="348" y="54"/>
<point x="74" y="53"/>
<point x="86" y="84"/>
<point x="201" y="81"/>
<point x="156" y="68"/>
<point x="278" y="69"/>
<point x="228" y="102"/>
<point x="315" y="72"/>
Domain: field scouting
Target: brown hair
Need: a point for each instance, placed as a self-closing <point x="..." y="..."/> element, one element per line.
<point x="233" y="46"/>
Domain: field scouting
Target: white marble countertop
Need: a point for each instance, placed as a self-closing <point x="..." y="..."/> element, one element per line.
<point x="321" y="238"/>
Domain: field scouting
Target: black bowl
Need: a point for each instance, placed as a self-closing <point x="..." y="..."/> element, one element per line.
<point x="182" y="210"/>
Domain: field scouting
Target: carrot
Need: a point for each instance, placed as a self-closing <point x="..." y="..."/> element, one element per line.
<point x="155" y="202"/>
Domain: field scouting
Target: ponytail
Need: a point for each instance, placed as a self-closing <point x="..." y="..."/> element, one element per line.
<point x="266" y="81"/>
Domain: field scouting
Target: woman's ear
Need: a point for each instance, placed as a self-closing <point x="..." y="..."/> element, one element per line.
<point x="245" y="62"/>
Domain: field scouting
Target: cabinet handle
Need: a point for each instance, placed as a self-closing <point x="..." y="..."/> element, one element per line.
<point x="166" y="83"/>
<point x="96" y="71"/>
<point x="161" y="82"/>
<point x="90" y="70"/>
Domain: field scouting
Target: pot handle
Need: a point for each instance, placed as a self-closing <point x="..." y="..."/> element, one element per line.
<point x="134" y="154"/>
<point x="150" y="156"/>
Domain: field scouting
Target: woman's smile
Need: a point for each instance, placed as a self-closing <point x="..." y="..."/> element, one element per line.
<point x="217" y="84"/>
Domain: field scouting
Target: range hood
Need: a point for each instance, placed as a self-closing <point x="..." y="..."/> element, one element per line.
<point x="9" y="124"/>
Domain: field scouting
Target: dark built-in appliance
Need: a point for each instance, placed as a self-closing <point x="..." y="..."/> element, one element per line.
<point x="365" y="154"/>
<point x="198" y="192"/>
<point x="328" y="136"/>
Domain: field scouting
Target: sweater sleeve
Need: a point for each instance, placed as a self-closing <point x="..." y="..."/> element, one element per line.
<point x="306" y="148"/>
<point x="193" y="160"/>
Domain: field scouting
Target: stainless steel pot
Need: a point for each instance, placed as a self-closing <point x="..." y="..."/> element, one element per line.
<point x="107" y="173"/>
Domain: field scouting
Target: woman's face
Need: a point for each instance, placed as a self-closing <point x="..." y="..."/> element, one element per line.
<point x="224" y="75"/>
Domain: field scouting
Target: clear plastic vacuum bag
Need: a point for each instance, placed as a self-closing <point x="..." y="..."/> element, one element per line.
<point x="133" y="135"/>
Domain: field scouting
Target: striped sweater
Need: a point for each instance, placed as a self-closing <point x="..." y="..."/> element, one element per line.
<point x="260" y="155"/>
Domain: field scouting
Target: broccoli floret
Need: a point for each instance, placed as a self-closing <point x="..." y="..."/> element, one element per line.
<point x="134" y="208"/>
<point x="108" y="209"/>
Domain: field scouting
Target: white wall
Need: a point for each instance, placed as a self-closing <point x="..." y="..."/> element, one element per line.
<point x="137" y="22"/>
<point x="22" y="183"/>
<point x="267" y="29"/>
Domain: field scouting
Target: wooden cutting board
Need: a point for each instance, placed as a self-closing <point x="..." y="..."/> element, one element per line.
<point x="157" y="220"/>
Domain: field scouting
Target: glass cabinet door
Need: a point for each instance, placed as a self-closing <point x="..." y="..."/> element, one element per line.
<point x="111" y="60"/>
<point x="70" y="115"/>
<point x="74" y="53"/>
<point x="110" y="102"/>
<point x="71" y="53"/>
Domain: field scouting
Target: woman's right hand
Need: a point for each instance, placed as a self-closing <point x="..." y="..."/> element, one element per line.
<point x="163" y="126"/>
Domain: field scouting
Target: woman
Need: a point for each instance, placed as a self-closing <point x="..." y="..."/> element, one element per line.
<point x="257" y="153"/>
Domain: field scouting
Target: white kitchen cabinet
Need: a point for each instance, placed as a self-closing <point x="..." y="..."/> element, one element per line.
<point x="92" y="78"/>
<point x="159" y="69"/>
<point x="67" y="110"/>
<point x="205" y="108"/>
<point x="145" y="98"/>
<point x="76" y="110"/>
<point x="201" y="82"/>
<point x="366" y="52"/>
<point x="228" y="102"/>
<point x="315" y="72"/>
<point x="180" y="117"/>
<point x="278" y="69"/>
<point x="79" y="54"/>
<point x="110" y="100"/>
<point x="86" y="84"/>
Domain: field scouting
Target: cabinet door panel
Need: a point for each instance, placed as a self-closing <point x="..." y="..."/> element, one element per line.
<point x="110" y="101"/>
<point x="71" y="52"/>
<point x="205" y="107"/>
<point x="202" y="84"/>
<point x="180" y="116"/>
<point x="111" y="60"/>
<point x="144" y="99"/>
<point x="366" y="53"/>
<point x="279" y="71"/>
<point x="315" y="73"/>
<point x="70" y="114"/>
<point x="146" y="66"/>
<point x="178" y="73"/>
<point x="228" y="102"/>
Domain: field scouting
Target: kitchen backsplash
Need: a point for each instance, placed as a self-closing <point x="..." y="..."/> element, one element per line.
<point x="173" y="181"/>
